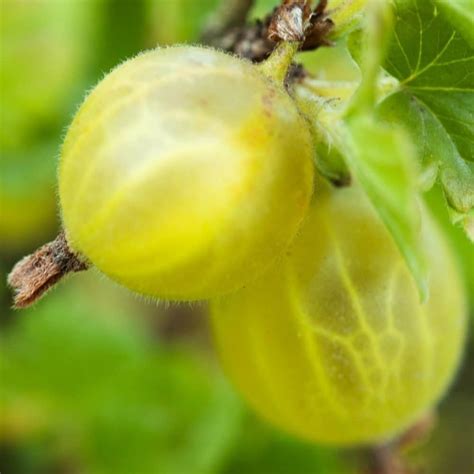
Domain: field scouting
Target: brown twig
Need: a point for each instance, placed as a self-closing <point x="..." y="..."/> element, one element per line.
<point x="388" y="458"/>
<point x="35" y="274"/>
<point x="249" y="41"/>
<point x="418" y="432"/>
<point x="230" y="14"/>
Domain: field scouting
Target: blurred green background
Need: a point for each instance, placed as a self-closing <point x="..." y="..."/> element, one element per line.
<point x="92" y="378"/>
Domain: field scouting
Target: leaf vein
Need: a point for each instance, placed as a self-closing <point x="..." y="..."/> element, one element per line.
<point x="418" y="73"/>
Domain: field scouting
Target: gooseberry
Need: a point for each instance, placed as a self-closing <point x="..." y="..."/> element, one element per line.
<point x="332" y="343"/>
<point x="184" y="173"/>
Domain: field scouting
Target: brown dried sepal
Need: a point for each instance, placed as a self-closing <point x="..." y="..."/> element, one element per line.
<point x="252" y="41"/>
<point x="35" y="274"/>
<point x="294" y="21"/>
<point x="320" y="27"/>
<point x="290" y="21"/>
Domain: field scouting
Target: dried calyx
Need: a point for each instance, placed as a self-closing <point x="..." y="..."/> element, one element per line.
<point x="295" y="21"/>
<point x="292" y="21"/>
<point x="37" y="273"/>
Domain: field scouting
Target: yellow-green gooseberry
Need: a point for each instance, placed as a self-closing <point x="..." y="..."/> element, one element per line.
<point x="184" y="173"/>
<point x="332" y="343"/>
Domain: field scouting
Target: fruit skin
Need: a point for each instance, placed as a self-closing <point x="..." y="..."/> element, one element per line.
<point x="332" y="342"/>
<point x="184" y="173"/>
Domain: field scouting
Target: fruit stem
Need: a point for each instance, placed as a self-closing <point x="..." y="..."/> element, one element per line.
<point x="35" y="274"/>
<point x="388" y="459"/>
<point x="277" y="65"/>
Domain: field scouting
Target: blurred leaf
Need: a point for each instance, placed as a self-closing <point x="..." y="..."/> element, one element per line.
<point x="27" y="197"/>
<point x="460" y="14"/>
<point x="381" y="157"/>
<point x="382" y="160"/>
<point x="45" y="46"/>
<point x="122" y="33"/>
<point x="347" y="15"/>
<point x="178" y="21"/>
<point x="262" y="8"/>
<point x="431" y="54"/>
<point x="86" y="391"/>
<point x="464" y="250"/>
<point x="117" y="403"/>
<point x="333" y="64"/>
<point x="264" y="450"/>
<point x="368" y="47"/>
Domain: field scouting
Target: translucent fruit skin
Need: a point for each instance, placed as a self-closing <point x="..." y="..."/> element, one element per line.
<point x="332" y="343"/>
<point x="184" y="173"/>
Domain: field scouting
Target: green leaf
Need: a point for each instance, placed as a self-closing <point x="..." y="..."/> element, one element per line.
<point x="368" y="47"/>
<point x="431" y="54"/>
<point x="178" y="21"/>
<point x="466" y="221"/>
<point x="460" y="13"/>
<point x="347" y="16"/>
<point x="463" y="248"/>
<point x="382" y="160"/>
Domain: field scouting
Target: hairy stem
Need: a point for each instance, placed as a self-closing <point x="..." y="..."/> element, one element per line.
<point x="278" y="64"/>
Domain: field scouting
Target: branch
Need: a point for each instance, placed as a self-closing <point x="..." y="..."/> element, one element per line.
<point x="230" y="14"/>
<point x="388" y="459"/>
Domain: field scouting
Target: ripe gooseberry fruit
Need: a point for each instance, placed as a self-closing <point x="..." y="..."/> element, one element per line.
<point x="184" y="173"/>
<point x="332" y="343"/>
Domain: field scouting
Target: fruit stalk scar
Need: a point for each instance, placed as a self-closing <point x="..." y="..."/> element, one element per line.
<point x="35" y="274"/>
